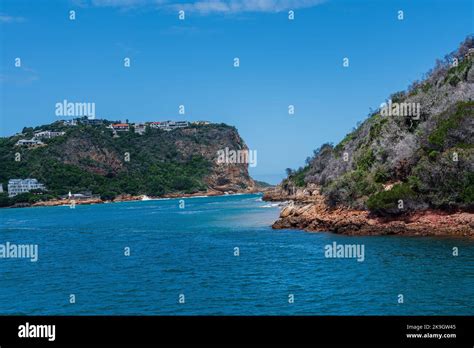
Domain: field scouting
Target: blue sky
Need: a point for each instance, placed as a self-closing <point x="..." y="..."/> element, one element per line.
<point x="190" y="62"/>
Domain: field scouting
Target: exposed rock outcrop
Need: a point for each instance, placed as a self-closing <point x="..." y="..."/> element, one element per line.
<point x="309" y="211"/>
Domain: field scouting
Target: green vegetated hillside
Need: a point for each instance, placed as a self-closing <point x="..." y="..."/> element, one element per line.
<point x="89" y="158"/>
<point x="426" y="162"/>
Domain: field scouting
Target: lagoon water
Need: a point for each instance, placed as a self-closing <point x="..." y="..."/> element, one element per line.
<point x="190" y="251"/>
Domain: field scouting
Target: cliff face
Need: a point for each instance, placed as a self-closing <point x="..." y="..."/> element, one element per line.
<point x="412" y="156"/>
<point x="157" y="163"/>
<point x="224" y="177"/>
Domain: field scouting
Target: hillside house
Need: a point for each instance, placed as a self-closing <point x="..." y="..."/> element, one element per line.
<point x="18" y="186"/>
<point x="155" y="125"/>
<point x="29" y="142"/>
<point x="47" y="134"/>
<point x="140" y="128"/>
<point x="121" y="127"/>
<point x="169" y="125"/>
<point x="70" y="123"/>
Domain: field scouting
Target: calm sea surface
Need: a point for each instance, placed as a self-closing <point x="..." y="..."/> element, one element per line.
<point x="190" y="251"/>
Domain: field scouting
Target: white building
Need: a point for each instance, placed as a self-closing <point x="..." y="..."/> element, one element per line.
<point x="72" y="122"/>
<point x="169" y="125"/>
<point x="121" y="127"/>
<point x="201" y="123"/>
<point x="140" y="128"/>
<point x="47" y="134"/>
<point x="181" y="124"/>
<point x="29" y="142"/>
<point x="155" y="125"/>
<point x="17" y="186"/>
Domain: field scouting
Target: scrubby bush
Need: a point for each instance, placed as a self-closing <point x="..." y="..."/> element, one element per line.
<point x="381" y="175"/>
<point x="366" y="160"/>
<point x="445" y="183"/>
<point x="387" y="202"/>
<point x="450" y="123"/>
<point x="350" y="189"/>
<point x="467" y="195"/>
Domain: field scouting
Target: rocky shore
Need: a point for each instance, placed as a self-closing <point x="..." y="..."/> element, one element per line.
<point x="306" y="209"/>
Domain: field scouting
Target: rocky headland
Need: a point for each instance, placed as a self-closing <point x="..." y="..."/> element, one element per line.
<point x="104" y="165"/>
<point x="408" y="169"/>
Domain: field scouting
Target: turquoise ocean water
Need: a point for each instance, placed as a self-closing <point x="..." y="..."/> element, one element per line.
<point x="190" y="251"/>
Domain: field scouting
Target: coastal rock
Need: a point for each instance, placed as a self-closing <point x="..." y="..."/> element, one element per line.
<point x="318" y="217"/>
<point x="56" y="202"/>
<point x="287" y="211"/>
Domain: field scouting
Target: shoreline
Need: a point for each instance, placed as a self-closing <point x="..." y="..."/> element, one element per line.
<point x="306" y="210"/>
<point x="130" y="198"/>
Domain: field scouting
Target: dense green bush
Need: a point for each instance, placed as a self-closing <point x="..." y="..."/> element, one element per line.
<point x="445" y="183"/>
<point x="467" y="195"/>
<point x="350" y="188"/>
<point x="381" y="175"/>
<point x="365" y="160"/>
<point x="386" y="202"/>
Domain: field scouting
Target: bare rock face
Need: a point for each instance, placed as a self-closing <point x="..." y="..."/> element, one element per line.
<point x="86" y="153"/>
<point x="225" y="177"/>
<point x="230" y="178"/>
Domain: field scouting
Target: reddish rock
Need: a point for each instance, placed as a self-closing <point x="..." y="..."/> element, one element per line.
<point x="310" y="212"/>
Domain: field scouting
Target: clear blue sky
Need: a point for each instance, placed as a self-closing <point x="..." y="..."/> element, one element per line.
<point x="191" y="62"/>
